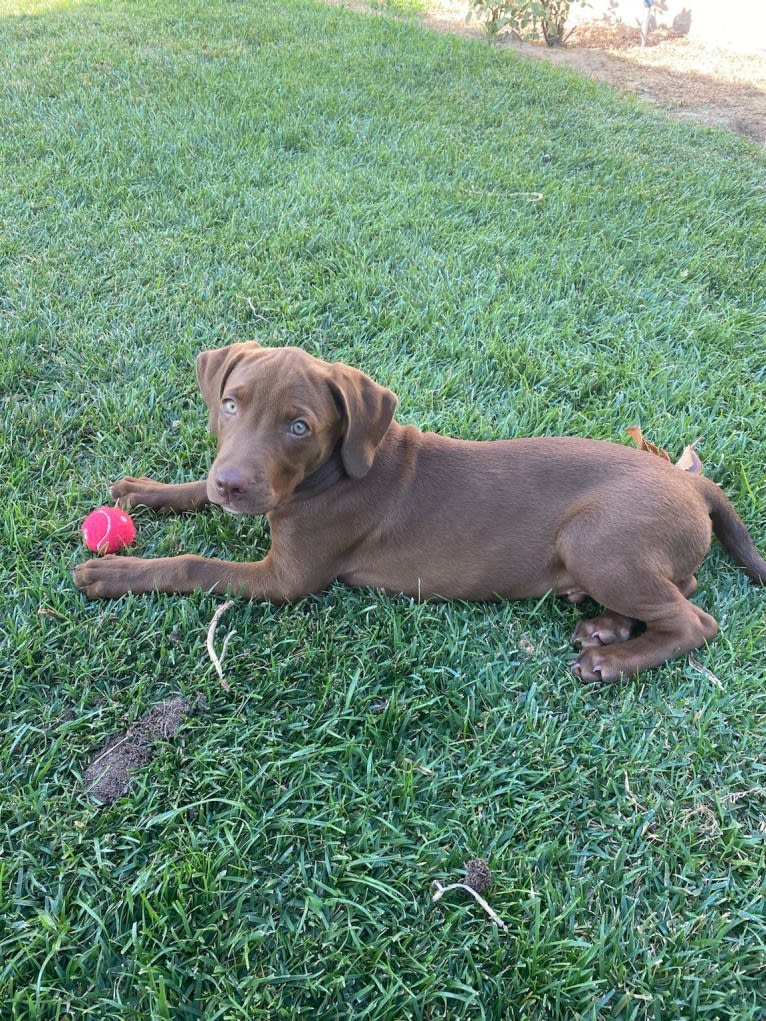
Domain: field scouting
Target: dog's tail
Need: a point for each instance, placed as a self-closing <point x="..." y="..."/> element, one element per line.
<point x="732" y="533"/>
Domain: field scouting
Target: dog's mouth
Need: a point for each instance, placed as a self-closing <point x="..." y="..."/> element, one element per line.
<point x="232" y="510"/>
<point x="246" y="504"/>
<point x="259" y="510"/>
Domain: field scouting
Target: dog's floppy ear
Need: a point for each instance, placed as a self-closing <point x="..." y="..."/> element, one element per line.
<point x="214" y="368"/>
<point x="368" y="409"/>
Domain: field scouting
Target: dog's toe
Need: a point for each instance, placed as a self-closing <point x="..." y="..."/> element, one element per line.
<point x="587" y="641"/>
<point x="590" y="668"/>
<point x="608" y="629"/>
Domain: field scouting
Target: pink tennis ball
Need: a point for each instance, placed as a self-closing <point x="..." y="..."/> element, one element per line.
<point x="107" y="529"/>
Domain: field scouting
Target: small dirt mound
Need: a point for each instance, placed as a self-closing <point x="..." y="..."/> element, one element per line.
<point x="110" y="771"/>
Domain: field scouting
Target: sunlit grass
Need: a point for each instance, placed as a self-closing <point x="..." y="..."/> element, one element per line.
<point x="176" y="175"/>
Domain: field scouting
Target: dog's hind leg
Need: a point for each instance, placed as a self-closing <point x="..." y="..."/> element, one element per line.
<point x="610" y="627"/>
<point x="674" y="626"/>
<point x="675" y="632"/>
<point x="642" y="575"/>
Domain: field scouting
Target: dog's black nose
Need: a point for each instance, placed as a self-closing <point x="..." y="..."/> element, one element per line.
<point x="230" y="483"/>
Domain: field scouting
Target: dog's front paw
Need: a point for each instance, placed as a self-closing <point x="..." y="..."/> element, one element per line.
<point x="140" y="492"/>
<point x="111" y="576"/>
<point x="599" y="665"/>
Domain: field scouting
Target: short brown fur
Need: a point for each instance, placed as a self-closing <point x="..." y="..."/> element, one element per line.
<point x="361" y="498"/>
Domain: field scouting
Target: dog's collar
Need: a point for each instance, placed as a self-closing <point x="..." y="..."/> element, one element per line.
<point x="326" y="475"/>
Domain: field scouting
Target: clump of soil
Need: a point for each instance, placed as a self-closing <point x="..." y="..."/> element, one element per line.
<point x="478" y="875"/>
<point x="110" y="771"/>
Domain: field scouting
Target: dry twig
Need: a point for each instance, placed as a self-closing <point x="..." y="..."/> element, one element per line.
<point x="217" y="660"/>
<point x="696" y="665"/>
<point x="440" y="890"/>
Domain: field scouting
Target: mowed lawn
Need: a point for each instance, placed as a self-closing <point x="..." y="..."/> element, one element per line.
<point x="179" y="174"/>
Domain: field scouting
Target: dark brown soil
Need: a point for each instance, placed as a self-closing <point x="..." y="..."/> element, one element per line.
<point x="110" y="772"/>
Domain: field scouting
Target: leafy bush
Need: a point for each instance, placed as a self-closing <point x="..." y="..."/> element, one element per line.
<point x="526" y="19"/>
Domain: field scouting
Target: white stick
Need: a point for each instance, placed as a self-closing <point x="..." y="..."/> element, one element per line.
<point x="216" y="660"/>
<point x="441" y="890"/>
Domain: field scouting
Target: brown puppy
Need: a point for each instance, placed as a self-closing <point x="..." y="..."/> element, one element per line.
<point x="351" y="494"/>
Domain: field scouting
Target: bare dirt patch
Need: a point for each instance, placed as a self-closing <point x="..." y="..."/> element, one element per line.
<point x="686" y="79"/>
<point x="109" y="774"/>
<point x="714" y="87"/>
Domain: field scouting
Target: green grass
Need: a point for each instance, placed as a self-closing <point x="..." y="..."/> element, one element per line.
<point x="176" y="175"/>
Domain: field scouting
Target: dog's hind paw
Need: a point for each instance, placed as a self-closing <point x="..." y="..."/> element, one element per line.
<point x="607" y="629"/>
<point x="595" y="667"/>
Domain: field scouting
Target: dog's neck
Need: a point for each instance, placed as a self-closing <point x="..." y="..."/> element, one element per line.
<point x="326" y="475"/>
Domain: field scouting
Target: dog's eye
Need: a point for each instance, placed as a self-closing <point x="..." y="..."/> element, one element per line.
<point x="299" y="427"/>
<point x="229" y="405"/>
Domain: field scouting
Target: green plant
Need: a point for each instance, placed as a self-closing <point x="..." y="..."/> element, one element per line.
<point x="403" y="8"/>
<point x="494" y="17"/>
<point x="526" y="19"/>
<point x="552" y="16"/>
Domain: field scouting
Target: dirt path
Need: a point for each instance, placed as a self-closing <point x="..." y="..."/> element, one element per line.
<point x="685" y="79"/>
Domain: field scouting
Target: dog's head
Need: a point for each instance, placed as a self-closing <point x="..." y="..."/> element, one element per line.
<point x="279" y="415"/>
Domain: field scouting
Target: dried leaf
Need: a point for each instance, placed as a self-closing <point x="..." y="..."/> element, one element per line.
<point x="690" y="461"/>
<point x="46" y="611"/>
<point x="526" y="646"/>
<point x="643" y="444"/>
<point x="696" y="665"/>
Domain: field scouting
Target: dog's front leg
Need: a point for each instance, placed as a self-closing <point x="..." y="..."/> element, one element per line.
<point x="160" y="496"/>
<point x="278" y="580"/>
